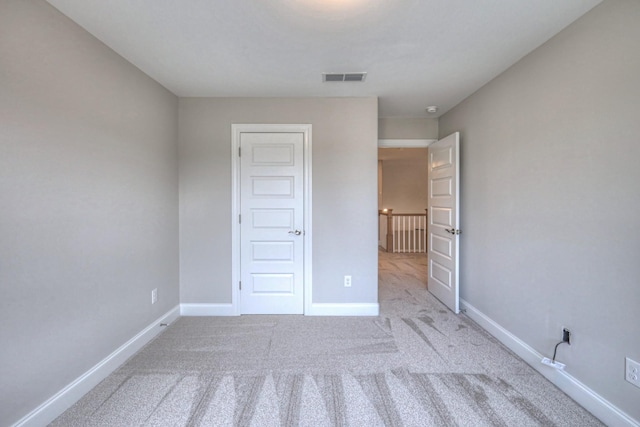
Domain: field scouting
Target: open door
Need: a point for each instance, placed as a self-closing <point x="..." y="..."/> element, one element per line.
<point x="444" y="232"/>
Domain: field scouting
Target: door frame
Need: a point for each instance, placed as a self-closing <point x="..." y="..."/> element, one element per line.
<point x="236" y="131"/>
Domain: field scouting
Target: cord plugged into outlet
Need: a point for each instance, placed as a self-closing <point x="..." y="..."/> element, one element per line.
<point x="566" y="338"/>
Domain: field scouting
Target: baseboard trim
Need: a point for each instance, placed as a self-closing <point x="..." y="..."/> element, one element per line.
<point x="589" y="399"/>
<point x="346" y="309"/>
<point x="355" y="309"/>
<point x="65" y="398"/>
<point x="208" y="310"/>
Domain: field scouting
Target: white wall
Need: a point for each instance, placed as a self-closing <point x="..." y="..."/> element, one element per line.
<point x="551" y="198"/>
<point x="88" y="203"/>
<point x="344" y="192"/>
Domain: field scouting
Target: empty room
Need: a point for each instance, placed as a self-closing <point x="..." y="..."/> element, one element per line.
<point x="195" y="227"/>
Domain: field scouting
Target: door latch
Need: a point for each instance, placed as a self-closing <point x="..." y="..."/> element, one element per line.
<point x="453" y="231"/>
<point x="296" y="232"/>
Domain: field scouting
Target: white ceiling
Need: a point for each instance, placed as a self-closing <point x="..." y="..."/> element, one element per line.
<point x="416" y="52"/>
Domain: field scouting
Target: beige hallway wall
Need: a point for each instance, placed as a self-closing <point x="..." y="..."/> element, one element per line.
<point x="404" y="185"/>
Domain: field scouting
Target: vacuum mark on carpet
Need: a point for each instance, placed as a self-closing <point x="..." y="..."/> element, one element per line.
<point x="289" y="389"/>
<point x="332" y="391"/>
<point x="163" y="398"/>
<point x="247" y="391"/>
<point x="207" y="390"/>
<point x="421" y="334"/>
<point x="377" y="390"/>
<point x="478" y="398"/>
<point x="422" y="388"/>
<point x="517" y="400"/>
<point x="430" y="323"/>
<point x="126" y="380"/>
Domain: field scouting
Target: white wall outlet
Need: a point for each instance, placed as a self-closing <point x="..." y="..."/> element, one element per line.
<point x="632" y="372"/>
<point x="553" y="364"/>
<point x="347" y="281"/>
<point x="154" y="296"/>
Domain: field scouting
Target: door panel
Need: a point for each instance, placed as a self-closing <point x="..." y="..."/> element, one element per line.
<point x="272" y="284"/>
<point x="271" y="206"/>
<point x="444" y="194"/>
<point x="442" y="246"/>
<point x="441" y="187"/>
<point x="273" y="218"/>
<point x="442" y="216"/>
<point x="272" y="251"/>
<point x="272" y="186"/>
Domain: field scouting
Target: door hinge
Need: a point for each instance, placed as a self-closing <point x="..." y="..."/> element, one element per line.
<point x="240" y="283"/>
<point x="239" y="152"/>
<point x="239" y="219"/>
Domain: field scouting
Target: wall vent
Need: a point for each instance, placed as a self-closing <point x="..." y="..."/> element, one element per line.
<point x="343" y="77"/>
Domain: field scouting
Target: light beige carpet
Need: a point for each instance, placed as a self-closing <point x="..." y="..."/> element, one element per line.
<point x="417" y="364"/>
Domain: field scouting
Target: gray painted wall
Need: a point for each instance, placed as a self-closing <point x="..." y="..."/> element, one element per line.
<point x="550" y="198"/>
<point x="344" y="136"/>
<point x="88" y="203"/>
<point x="407" y="128"/>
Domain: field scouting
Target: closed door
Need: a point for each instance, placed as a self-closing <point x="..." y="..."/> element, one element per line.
<point x="271" y="222"/>
<point x="444" y="193"/>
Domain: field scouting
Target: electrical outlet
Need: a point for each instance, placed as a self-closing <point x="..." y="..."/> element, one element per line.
<point x="553" y="364"/>
<point x="566" y="336"/>
<point x="347" y="281"/>
<point x="633" y="372"/>
<point x="154" y="296"/>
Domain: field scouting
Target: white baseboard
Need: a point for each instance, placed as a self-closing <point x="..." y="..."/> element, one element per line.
<point x="315" y="310"/>
<point x="589" y="399"/>
<point x="208" y="310"/>
<point x="355" y="309"/>
<point x="62" y="400"/>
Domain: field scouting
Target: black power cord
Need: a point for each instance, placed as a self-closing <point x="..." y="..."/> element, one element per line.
<point x="566" y="338"/>
<point x="555" y="350"/>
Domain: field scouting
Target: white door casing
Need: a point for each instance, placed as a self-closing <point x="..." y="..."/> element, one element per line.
<point x="271" y="216"/>
<point x="444" y="232"/>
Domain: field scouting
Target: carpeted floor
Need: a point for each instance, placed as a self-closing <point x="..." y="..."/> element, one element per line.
<point x="417" y="364"/>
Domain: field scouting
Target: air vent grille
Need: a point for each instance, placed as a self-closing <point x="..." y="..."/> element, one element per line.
<point x="343" y="77"/>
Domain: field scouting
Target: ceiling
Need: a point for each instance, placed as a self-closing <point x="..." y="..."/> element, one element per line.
<point x="416" y="52"/>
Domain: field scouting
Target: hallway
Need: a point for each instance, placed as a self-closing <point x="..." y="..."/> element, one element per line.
<point x="402" y="284"/>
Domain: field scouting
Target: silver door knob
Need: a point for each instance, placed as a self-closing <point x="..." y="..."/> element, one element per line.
<point x="296" y="232"/>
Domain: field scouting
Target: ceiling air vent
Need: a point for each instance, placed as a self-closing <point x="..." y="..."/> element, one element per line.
<point x="343" y="77"/>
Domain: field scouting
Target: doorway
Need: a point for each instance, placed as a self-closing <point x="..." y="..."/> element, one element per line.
<point x="442" y="230"/>
<point x="271" y="222"/>
<point x="402" y="228"/>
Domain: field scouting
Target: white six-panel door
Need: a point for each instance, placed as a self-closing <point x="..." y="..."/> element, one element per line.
<point x="444" y="233"/>
<point x="271" y="223"/>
